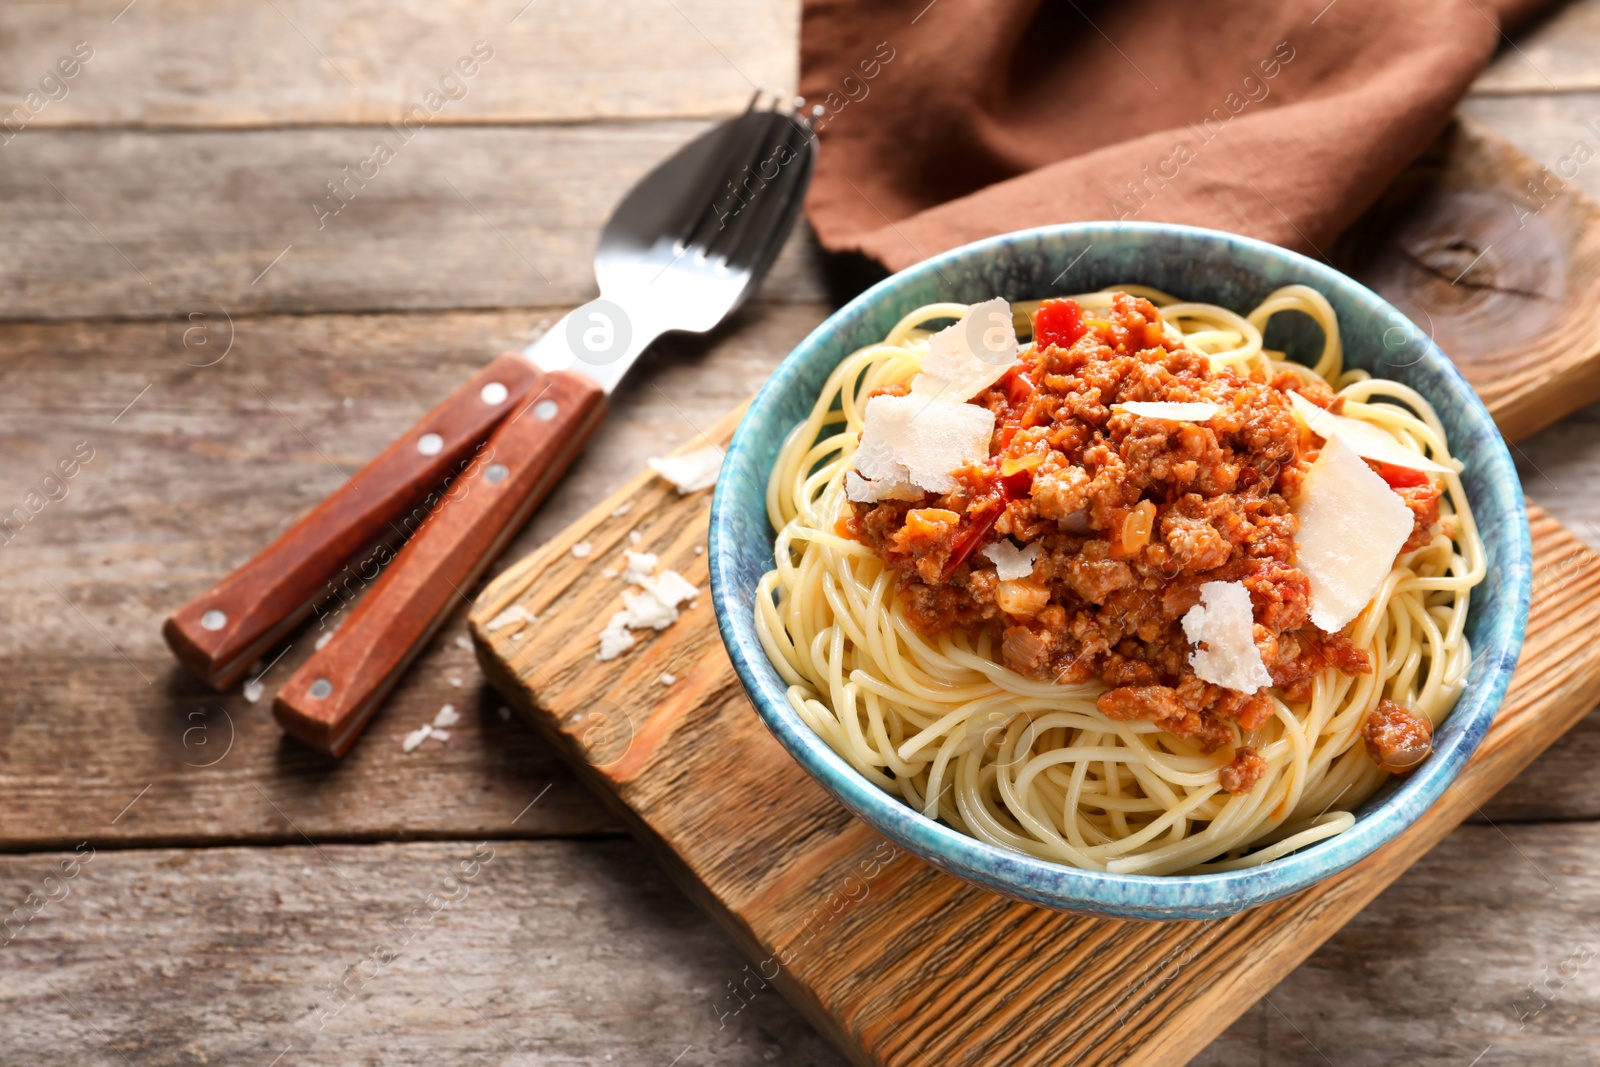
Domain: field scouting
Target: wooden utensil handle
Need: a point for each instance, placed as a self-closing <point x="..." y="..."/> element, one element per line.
<point x="331" y="697"/>
<point x="219" y="633"/>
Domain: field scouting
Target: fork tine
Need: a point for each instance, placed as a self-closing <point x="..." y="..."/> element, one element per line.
<point x="714" y="222"/>
<point x="772" y="203"/>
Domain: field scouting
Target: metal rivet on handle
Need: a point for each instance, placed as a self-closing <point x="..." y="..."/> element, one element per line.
<point x="496" y="473"/>
<point x="495" y="393"/>
<point x="321" y="688"/>
<point x="214" y="620"/>
<point x="429" y="444"/>
<point x="545" y="410"/>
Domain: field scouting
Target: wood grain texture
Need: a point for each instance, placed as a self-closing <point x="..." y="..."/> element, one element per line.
<point x="371" y="61"/>
<point x="1505" y="282"/>
<point x="1553" y="53"/>
<point x="135" y="223"/>
<point x="752" y="837"/>
<point x="553" y="953"/>
<point x="579" y="950"/>
<point x="191" y="480"/>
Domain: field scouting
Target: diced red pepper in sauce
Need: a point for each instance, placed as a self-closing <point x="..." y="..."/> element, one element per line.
<point x="1059" y="323"/>
<point x="1403" y="477"/>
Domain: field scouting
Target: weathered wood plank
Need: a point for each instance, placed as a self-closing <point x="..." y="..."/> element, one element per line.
<point x="550" y="953"/>
<point x="1437" y="970"/>
<point x="756" y="841"/>
<point x="577" y="951"/>
<point x="202" y="470"/>
<point x="132" y="223"/>
<point x="1552" y="54"/>
<point x="371" y="61"/>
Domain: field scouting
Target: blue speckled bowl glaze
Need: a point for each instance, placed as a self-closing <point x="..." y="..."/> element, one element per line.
<point x="1196" y="264"/>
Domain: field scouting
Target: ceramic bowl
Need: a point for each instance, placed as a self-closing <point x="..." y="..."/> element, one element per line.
<point x="1194" y="264"/>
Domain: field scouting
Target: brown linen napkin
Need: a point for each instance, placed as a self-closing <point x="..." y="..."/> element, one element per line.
<point x="950" y="121"/>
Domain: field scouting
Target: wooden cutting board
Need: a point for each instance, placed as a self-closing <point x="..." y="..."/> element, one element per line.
<point x="899" y="963"/>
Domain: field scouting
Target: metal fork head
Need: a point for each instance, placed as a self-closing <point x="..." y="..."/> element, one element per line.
<point x="694" y="237"/>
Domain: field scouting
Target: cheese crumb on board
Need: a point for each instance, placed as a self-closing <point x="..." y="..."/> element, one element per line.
<point x="634" y="537"/>
<point x="513" y="618"/>
<point x="691" y="471"/>
<point x="1352" y="526"/>
<point x="416" y="737"/>
<point x="668" y="679"/>
<point x="653" y="607"/>
<point x="1011" y="562"/>
<point x="1368" y="440"/>
<point x="439" y="735"/>
<point x="622" y="509"/>
<point x="1171" y="410"/>
<point x="448" y="716"/>
<point x="464" y="642"/>
<point x="911" y="444"/>
<point x="1224" y="622"/>
<point x="581" y="550"/>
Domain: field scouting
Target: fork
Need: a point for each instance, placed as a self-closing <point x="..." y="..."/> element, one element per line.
<point x="682" y="251"/>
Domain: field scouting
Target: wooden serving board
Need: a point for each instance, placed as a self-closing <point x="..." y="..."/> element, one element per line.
<point x="899" y="963"/>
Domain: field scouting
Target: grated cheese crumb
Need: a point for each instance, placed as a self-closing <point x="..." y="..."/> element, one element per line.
<point x="1011" y="562"/>
<point x="515" y="616"/>
<point x="609" y="572"/>
<point x="668" y="679"/>
<point x="622" y="510"/>
<point x="581" y="550"/>
<point x="456" y="682"/>
<point x="416" y="737"/>
<point x="691" y="471"/>
<point x="253" y="690"/>
<point x="439" y="735"/>
<point x="1171" y="410"/>
<point x="448" y="716"/>
<point x="615" y="638"/>
<point x="464" y="642"/>
<point x="1224" y="621"/>
<point x="640" y="565"/>
<point x="634" y="537"/>
<point x="699" y="550"/>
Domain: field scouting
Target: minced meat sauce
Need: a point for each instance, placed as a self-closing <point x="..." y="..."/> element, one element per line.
<point x="1133" y="515"/>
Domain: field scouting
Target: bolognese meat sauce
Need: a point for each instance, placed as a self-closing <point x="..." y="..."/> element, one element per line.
<point x="1132" y="515"/>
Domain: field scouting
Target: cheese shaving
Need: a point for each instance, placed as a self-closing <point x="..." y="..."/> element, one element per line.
<point x="1222" y="629"/>
<point x="1011" y="562"/>
<point x="448" y="716"/>
<point x="653" y="607"/>
<point x="1368" y="441"/>
<point x="965" y="359"/>
<point x="1352" y="526"/>
<point x="416" y="737"/>
<point x="1171" y="410"/>
<point x="582" y="549"/>
<point x="691" y="471"/>
<point x="911" y="445"/>
<point x="514" y="618"/>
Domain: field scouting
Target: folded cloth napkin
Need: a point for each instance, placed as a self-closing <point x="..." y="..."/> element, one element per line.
<point x="947" y="121"/>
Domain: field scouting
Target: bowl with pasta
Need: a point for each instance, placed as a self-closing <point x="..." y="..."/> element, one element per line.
<point x="1123" y="568"/>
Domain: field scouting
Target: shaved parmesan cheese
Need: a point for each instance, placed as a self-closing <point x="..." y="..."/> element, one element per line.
<point x="911" y="444"/>
<point x="1224" y="622"/>
<point x="653" y="607"/>
<point x="582" y="549"/>
<point x="416" y="737"/>
<point x="965" y="359"/>
<point x="253" y="690"/>
<point x="514" y="618"/>
<point x="615" y="638"/>
<point x="440" y="736"/>
<point x="691" y="471"/>
<point x="1011" y="562"/>
<point x="1171" y="410"/>
<point x="668" y="679"/>
<point x="640" y="565"/>
<point x="1368" y="441"/>
<point x="448" y="716"/>
<point x="1352" y="525"/>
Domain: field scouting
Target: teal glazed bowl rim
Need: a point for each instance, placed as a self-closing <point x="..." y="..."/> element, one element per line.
<point x="1195" y="264"/>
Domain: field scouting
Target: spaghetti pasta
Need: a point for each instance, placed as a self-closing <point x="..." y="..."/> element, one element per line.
<point x="1034" y="766"/>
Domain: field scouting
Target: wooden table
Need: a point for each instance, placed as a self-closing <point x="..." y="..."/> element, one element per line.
<point x="182" y="305"/>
